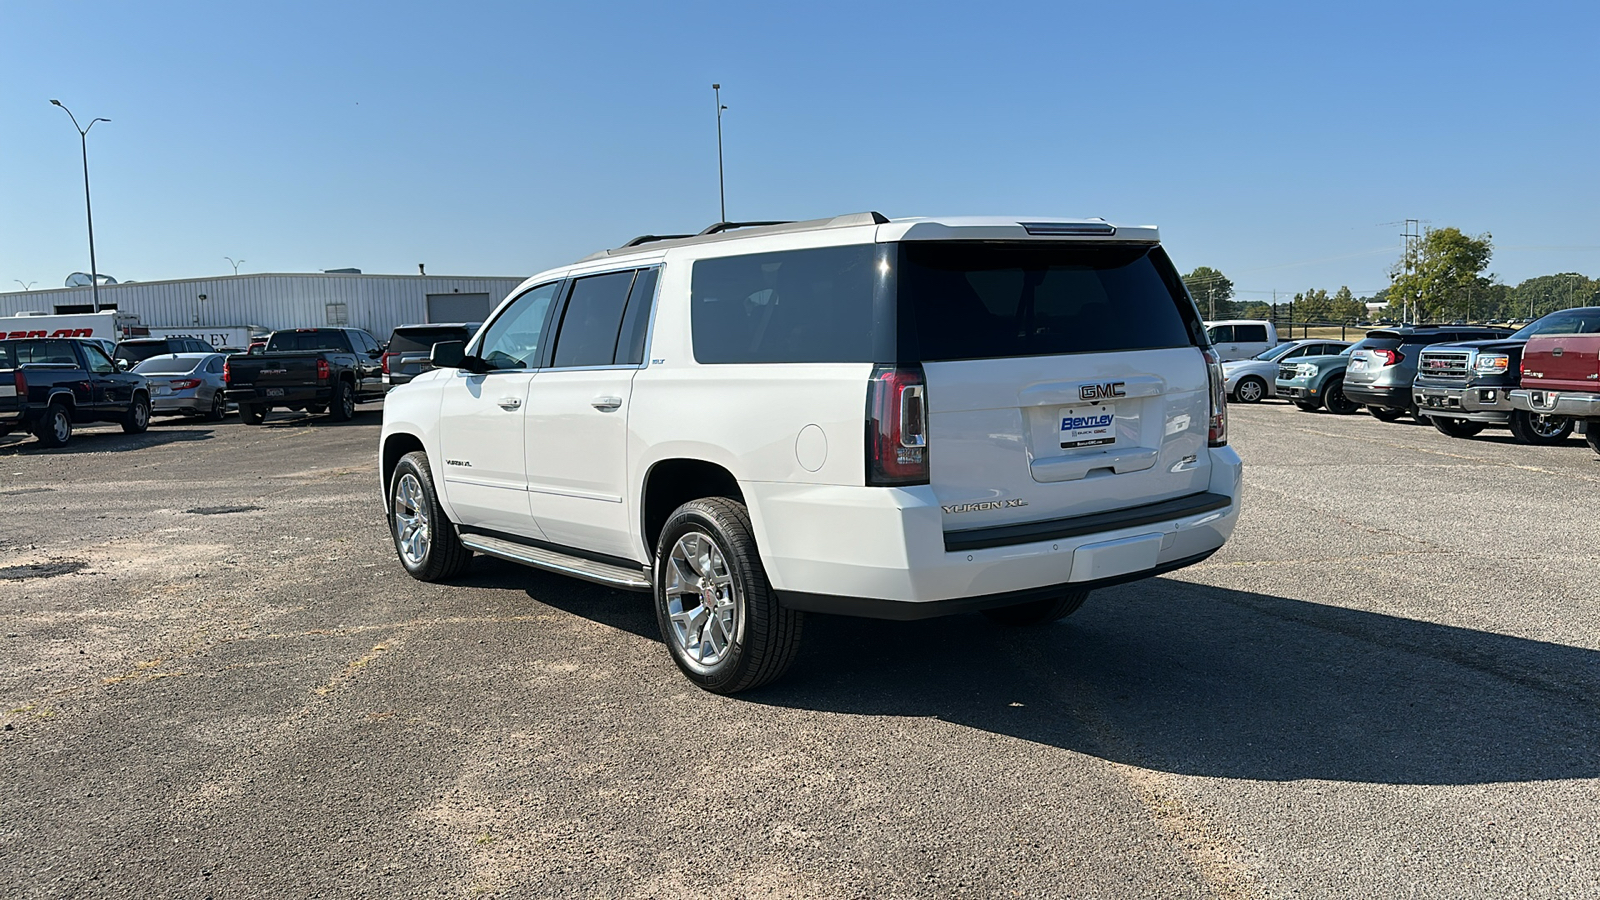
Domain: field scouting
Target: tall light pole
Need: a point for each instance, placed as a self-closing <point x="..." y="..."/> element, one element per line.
<point x="25" y="287"/>
<point x="236" y="265"/>
<point x="83" y="139"/>
<point x="722" y="193"/>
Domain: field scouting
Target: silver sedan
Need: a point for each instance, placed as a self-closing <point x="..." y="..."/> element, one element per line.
<point x="188" y="384"/>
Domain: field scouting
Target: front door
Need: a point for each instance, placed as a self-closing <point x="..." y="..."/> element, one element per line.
<point x="111" y="387"/>
<point x="577" y="421"/>
<point x="481" y="435"/>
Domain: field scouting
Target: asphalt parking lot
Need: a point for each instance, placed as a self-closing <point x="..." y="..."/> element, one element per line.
<point x="216" y="681"/>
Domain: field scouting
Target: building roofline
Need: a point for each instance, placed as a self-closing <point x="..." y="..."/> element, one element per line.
<point x="248" y="275"/>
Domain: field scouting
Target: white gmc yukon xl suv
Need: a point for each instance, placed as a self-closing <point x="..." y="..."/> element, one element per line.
<point x="890" y="418"/>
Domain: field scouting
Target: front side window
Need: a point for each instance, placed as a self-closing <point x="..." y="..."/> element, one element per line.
<point x="1221" y="334"/>
<point x="793" y="306"/>
<point x="592" y="320"/>
<point x="513" y="341"/>
<point x="99" y="363"/>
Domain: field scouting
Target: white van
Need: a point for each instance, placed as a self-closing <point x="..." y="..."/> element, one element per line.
<point x="886" y="418"/>
<point x="1242" y="338"/>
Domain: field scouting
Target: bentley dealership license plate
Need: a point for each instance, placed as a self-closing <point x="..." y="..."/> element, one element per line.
<point x="1088" y="426"/>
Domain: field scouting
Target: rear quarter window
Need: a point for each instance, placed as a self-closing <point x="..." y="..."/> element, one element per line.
<point x="793" y="306"/>
<point x="1250" y="334"/>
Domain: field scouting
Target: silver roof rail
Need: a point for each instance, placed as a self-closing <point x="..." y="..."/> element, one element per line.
<point x="725" y="231"/>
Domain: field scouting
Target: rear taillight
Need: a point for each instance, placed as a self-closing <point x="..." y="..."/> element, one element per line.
<point x="22" y="384"/>
<point x="897" y="427"/>
<point x="1387" y="357"/>
<point x="386" y="358"/>
<point x="1217" y="432"/>
<point x="227" y="372"/>
<point x="323" y="372"/>
<point x="185" y="384"/>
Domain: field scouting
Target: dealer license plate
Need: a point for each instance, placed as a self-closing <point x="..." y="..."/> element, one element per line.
<point x="274" y="392"/>
<point x="1358" y="363"/>
<point x="1088" y="426"/>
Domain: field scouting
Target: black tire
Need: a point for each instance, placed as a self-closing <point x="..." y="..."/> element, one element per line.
<point x="343" y="406"/>
<point x="54" y="428"/>
<point x="250" y="414"/>
<point x="438" y="554"/>
<point x="761" y="642"/>
<point x="219" y="408"/>
<point x="1385" y="414"/>
<point x="1250" y="390"/>
<point x="316" y="409"/>
<point x="1333" y="397"/>
<point x="1541" y="431"/>
<point x="1308" y="405"/>
<point x="1457" y="428"/>
<point x="137" y="420"/>
<point x="1591" y="434"/>
<point x="1039" y="612"/>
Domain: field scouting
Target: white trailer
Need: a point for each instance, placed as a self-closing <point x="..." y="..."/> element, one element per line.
<point x="237" y="337"/>
<point x="109" y="325"/>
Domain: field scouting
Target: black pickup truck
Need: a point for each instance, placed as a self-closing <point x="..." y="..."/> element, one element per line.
<point x="1465" y="387"/>
<point x="314" y="369"/>
<point x="49" y="384"/>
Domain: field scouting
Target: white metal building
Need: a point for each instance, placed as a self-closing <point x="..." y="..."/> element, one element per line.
<point x="376" y="303"/>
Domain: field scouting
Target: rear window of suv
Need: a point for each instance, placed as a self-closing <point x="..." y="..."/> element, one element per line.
<point x="985" y="301"/>
<point x="415" y="340"/>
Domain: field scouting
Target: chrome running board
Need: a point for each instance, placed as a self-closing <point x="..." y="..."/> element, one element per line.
<point x="560" y="563"/>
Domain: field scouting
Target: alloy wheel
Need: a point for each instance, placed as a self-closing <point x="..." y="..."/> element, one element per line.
<point x="411" y="526"/>
<point x="703" y="601"/>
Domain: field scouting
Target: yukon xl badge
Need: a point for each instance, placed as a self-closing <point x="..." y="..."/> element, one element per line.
<point x="458" y="462"/>
<point x="1103" y="391"/>
<point x="987" y="504"/>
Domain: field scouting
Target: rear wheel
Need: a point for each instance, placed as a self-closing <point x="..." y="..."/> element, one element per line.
<point x="428" y="545"/>
<point x="1337" y="402"/>
<point x="54" y="428"/>
<point x="251" y="414"/>
<point x="137" y="419"/>
<point x="1038" y="612"/>
<point x="1250" y="390"/>
<point x="1591" y="434"/>
<point x="719" y="617"/>
<point x="1532" y="428"/>
<point x="343" y="407"/>
<point x="1457" y="428"/>
<point x="219" y="408"/>
<point x="1385" y="414"/>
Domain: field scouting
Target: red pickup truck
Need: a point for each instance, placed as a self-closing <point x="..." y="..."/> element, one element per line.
<point x="1561" y="375"/>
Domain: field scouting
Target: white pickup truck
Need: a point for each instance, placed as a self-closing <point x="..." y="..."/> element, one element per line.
<point x="898" y="419"/>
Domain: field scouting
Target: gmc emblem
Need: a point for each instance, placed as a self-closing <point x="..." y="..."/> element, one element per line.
<point x="1103" y="391"/>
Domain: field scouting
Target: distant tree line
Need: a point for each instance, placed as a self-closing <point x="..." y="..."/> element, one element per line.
<point x="1440" y="279"/>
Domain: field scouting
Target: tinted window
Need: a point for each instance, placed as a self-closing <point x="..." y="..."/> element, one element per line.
<point x="134" y="351"/>
<point x="45" y="353"/>
<point x="1271" y="353"/>
<point x="1254" y="334"/>
<point x="1221" y="334"/>
<point x="421" y="340"/>
<point x="980" y="300"/>
<point x="6" y="359"/>
<point x="308" y="341"/>
<point x="636" y="321"/>
<point x="593" y="316"/>
<point x="1567" y="321"/>
<point x="789" y="307"/>
<point x="513" y="341"/>
<point x="166" y="365"/>
<point x="215" y="365"/>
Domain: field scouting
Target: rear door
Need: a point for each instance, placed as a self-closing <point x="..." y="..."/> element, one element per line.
<point x="1062" y="379"/>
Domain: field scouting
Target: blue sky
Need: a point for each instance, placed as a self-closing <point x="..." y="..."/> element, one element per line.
<point x="1277" y="142"/>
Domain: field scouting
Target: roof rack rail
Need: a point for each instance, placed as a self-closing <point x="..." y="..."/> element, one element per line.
<point x="647" y="238"/>
<point x="720" y="227"/>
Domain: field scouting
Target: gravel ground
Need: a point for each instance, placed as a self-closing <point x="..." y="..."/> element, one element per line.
<point x="216" y="681"/>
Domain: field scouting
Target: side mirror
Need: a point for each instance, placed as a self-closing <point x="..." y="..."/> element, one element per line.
<point x="123" y="365"/>
<point x="448" y="355"/>
<point x="375" y="352"/>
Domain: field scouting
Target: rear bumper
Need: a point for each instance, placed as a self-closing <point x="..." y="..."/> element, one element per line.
<point x="1388" y="396"/>
<point x="1491" y="405"/>
<point x="882" y="552"/>
<point x="1576" y="404"/>
<point x="290" y="396"/>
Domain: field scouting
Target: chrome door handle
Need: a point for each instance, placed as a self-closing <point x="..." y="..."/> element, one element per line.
<point x="510" y="403"/>
<point x="606" y="404"/>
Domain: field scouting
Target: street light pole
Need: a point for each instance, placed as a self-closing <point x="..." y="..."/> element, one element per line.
<point x="722" y="192"/>
<point x="83" y="139"/>
<point x="234" y="264"/>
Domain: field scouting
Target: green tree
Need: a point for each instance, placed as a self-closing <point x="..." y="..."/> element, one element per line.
<point x="1548" y="293"/>
<point x="1212" y="292"/>
<point x="1439" y="273"/>
<point x="1256" y="310"/>
<point x="1344" y="307"/>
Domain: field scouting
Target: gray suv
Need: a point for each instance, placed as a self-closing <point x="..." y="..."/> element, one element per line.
<point x="1380" y="372"/>
<point x="406" y="355"/>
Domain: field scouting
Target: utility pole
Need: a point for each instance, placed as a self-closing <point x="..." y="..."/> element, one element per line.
<point x="1413" y="238"/>
<point x="722" y="192"/>
<point x="1212" y="291"/>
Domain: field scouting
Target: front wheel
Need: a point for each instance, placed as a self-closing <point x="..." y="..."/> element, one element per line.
<point x="1039" y="612"/>
<point x="1457" y="428"/>
<point x="1333" y="395"/>
<point x="719" y="617"/>
<point x="1532" y="428"/>
<point x="137" y="421"/>
<point x="428" y="545"/>
<point x="343" y="407"/>
<point x="1250" y="390"/>
<point x="1385" y="414"/>
<point x="251" y="414"/>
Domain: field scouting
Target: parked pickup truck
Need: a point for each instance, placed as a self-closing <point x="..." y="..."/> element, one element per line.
<point x="1465" y="387"/>
<point x="314" y="369"/>
<point x="49" y="384"/>
<point x="1561" y="373"/>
